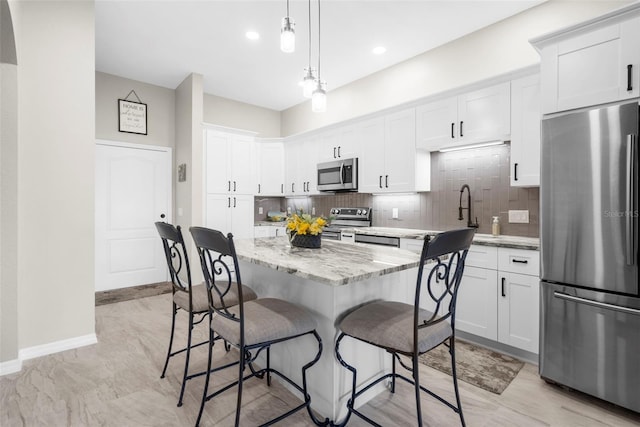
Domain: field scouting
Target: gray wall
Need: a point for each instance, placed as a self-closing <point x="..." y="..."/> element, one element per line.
<point x="56" y="133"/>
<point x="239" y="115"/>
<point x="8" y="188"/>
<point x="495" y="50"/>
<point x="161" y="110"/>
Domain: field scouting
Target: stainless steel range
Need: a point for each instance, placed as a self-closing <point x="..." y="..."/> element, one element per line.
<point x="346" y="218"/>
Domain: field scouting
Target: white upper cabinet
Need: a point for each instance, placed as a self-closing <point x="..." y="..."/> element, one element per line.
<point x="474" y="117"/>
<point x="271" y="168"/>
<point x="339" y="143"/>
<point x="389" y="161"/>
<point x="229" y="162"/>
<point x="591" y="64"/>
<point x="371" y="163"/>
<point x="301" y="161"/>
<point x="525" y="131"/>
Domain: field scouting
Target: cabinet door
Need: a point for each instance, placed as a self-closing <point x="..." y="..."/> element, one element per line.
<point x="436" y="124"/>
<point x="293" y="182"/>
<point x="242" y="153"/>
<point x="484" y="115"/>
<point x="218" y="179"/>
<point x="308" y="167"/>
<point x="217" y="214"/>
<point x="371" y="164"/>
<point x="400" y="151"/>
<point x="271" y="169"/>
<point x="263" y="231"/>
<point x="340" y="143"/>
<point x="241" y="213"/>
<point x="518" y="310"/>
<point x="591" y="68"/>
<point x="525" y="131"/>
<point x="477" y="306"/>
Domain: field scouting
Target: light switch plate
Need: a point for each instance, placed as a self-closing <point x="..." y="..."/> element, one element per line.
<point x="519" y="217"/>
<point x="394" y="213"/>
<point x="260" y="210"/>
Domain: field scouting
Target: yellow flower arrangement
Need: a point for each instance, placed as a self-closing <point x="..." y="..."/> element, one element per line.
<point x="302" y="223"/>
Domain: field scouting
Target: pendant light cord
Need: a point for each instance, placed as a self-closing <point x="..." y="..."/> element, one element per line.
<point x="309" y="9"/>
<point x="318" y="42"/>
<point x="287" y="8"/>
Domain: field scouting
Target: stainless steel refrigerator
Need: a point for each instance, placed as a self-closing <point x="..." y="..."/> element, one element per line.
<point x="590" y="299"/>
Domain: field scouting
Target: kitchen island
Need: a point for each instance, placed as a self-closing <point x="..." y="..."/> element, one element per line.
<point x="329" y="281"/>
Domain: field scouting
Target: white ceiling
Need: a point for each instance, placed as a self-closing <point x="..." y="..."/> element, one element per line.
<point x="161" y="42"/>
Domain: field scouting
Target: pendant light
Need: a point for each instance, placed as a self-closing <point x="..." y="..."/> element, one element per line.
<point x="309" y="79"/>
<point x="319" y="96"/>
<point x="288" y="33"/>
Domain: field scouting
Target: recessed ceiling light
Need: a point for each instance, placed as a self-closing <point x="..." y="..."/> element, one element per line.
<point x="379" y="50"/>
<point x="252" y="35"/>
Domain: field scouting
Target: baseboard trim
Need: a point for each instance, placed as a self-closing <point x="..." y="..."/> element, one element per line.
<point x="57" y="346"/>
<point x="10" y="367"/>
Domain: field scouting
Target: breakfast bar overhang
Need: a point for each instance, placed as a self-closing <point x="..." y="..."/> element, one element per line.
<point x="330" y="281"/>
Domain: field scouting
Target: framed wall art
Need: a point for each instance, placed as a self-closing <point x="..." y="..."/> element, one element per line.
<point x="132" y="116"/>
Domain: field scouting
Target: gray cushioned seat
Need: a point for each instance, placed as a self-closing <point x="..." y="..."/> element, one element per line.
<point x="265" y="319"/>
<point x="389" y="324"/>
<point x="201" y="303"/>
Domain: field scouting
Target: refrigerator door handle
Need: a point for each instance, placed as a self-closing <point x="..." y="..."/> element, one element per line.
<point x="631" y="191"/>
<point x="598" y="304"/>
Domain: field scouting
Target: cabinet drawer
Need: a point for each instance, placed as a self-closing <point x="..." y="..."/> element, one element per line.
<point x="519" y="261"/>
<point x="482" y="256"/>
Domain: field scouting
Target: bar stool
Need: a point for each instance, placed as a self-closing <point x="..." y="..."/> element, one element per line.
<point x="251" y="326"/>
<point x="407" y="329"/>
<point x="191" y="299"/>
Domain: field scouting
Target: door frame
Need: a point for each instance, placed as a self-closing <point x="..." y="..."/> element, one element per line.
<point x="147" y="147"/>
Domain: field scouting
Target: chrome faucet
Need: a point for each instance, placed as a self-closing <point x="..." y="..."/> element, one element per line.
<point x="468" y="208"/>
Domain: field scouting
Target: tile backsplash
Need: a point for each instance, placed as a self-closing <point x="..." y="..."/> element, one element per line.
<point x="486" y="171"/>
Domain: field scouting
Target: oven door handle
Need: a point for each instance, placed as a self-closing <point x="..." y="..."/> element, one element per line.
<point x="342" y="173"/>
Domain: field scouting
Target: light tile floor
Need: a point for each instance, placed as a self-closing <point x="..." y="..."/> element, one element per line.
<point x="117" y="383"/>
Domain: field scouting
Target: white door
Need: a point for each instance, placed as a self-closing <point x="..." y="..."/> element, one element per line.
<point x="133" y="191"/>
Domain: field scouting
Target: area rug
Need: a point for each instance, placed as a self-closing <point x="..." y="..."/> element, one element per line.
<point x="481" y="367"/>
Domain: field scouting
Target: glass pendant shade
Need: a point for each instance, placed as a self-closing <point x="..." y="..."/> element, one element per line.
<point x="319" y="98"/>
<point x="309" y="82"/>
<point x="288" y="35"/>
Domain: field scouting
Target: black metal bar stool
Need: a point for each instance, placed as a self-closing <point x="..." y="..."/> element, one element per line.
<point x="187" y="297"/>
<point x="408" y="330"/>
<point x="250" y="326"/>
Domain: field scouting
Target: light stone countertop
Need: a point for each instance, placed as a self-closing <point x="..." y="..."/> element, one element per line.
<point x="516" y="242"/>
<point x="335" y="263"/>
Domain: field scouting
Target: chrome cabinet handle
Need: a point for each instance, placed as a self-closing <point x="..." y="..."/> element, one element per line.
<point x="630" y="214"/>
<point x="338" y="151"/>
<point x="234" y="186"/>
<point x="520" y="261"/>
<point x="228" y="202"/>
<point x="629" y="77"/>
<point x="380" y="182"/>
<point x="386" y="181"/>
<point x="598" y="304"/>
<point x="461" y="134"/>
<point x="258" y="188"/>
<point x="504" y="291"/>
<point x="515" y="171"/>
<point x="334" y="152"/>
<point x="453" y="130"/>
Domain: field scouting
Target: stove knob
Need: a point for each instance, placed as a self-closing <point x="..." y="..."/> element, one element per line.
<point x="364" y="211"/>
<point x="359" y="212"/>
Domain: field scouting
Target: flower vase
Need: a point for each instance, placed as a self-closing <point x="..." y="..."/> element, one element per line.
<point x="305" y="240"/>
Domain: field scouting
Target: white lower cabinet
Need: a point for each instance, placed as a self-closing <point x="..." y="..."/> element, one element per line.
<point x="230" y="214"/>
<point x="498" y="298"/>
<point x="268" y="231"/>
<point x="518" y="307"/>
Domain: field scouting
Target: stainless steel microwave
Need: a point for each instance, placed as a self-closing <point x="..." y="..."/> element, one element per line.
<point x="338" y="175"/>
